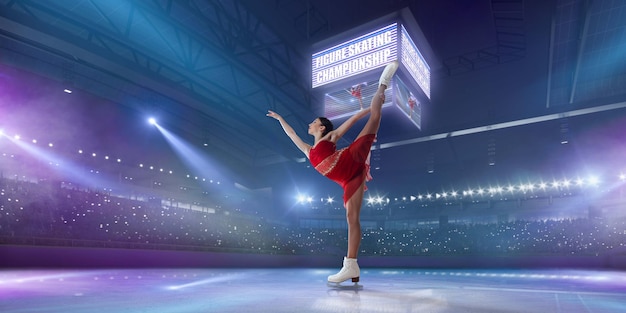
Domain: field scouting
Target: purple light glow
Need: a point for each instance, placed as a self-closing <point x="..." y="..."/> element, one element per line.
<point x="64" y="167"/>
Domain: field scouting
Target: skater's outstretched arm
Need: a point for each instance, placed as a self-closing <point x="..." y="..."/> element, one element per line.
<point x="336" y="134"/>
<point x="303" y="146"/>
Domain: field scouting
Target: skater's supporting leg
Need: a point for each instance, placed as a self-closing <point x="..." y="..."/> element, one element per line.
<point x="353" y="217"/>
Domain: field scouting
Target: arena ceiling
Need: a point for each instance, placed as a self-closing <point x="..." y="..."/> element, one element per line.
<point x="511" y="79"/>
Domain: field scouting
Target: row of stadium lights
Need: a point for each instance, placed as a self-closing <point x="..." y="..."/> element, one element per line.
<point x="106" y="157"/>
<point x="524" y="188"/>
<point x="479" y="192"/>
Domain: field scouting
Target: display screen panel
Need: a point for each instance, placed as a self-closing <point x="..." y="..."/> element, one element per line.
<point x="355" y="56"/>
<point x="414" y="62"/>
<point x="346" y="101"/>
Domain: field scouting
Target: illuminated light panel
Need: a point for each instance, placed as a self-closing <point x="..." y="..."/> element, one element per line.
<point x="355" y="56"/>
<point x="414" y="62"/>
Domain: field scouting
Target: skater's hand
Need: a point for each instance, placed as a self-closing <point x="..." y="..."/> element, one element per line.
<point x="273" y="114"/>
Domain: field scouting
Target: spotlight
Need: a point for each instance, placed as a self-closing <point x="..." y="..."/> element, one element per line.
<point x="594" y="181"/>
<point x="152" y="121"/>
<point x="301" y="198"/>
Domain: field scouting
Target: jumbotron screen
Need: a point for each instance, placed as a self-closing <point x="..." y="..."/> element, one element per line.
<point x="350" y="67"/>
<point x="355" y="56"/>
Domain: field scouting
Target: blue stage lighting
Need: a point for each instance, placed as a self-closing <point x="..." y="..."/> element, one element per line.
<point x="152" y="121"/>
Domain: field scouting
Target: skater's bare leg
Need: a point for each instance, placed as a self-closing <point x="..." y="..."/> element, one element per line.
<point x="350" y="269"/>
<point x="353" y="217"/>
<point x="373" y="123"/>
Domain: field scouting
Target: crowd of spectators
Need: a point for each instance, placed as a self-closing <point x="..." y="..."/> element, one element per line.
<point x="51" y="213"/>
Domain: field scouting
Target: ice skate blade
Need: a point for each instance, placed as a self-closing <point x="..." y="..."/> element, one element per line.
<point x="346" y="286"/>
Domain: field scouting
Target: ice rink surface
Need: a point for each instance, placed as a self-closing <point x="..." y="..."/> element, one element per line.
<point x="305" y="290"/>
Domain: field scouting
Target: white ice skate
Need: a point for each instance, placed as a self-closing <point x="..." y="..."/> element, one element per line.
<point x="385" y="77"/>
<point x="350" y="270"/>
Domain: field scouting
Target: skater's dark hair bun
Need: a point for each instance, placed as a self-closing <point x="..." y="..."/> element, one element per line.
<point x="327" y="124"/>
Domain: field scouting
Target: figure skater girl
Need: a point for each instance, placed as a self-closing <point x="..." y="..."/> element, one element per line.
<point x="349" y="167"/>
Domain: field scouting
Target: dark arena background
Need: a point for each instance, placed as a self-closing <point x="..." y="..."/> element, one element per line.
<point x="140" y="173"/>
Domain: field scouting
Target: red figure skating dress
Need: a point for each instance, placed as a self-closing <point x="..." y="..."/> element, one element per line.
<point x="348" y="167"/>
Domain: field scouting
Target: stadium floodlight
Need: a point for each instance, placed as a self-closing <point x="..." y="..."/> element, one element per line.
<point x="594" y="181"/>
<point x="301" y="198"/>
